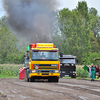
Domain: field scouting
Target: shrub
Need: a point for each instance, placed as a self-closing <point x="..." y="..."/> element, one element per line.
<point x="82" y="73"/>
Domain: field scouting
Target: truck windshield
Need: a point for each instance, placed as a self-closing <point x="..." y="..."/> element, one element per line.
<point x="67" y="60"/>
<point x="45" y="55"/>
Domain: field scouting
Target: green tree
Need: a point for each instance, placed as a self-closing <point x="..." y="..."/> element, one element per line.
<point x="94" y="56"/>
<point x="83" y="9"/>
<point x="76" y="31"/>
<point x="93" y="11"/>
<point x="8" y="52"/>
<point x="79" y="33"/>
<point x="94" y="44"/>
<point x="95" y="23"/>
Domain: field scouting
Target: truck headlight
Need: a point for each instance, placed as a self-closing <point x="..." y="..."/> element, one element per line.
<point x="72" y="64"/>
<point x="33" y="71"/>
<point x="56" y="71"/>
<point x="60" y="64"/>
<point x="54" y="65"/>
<point x="74" y="72"/>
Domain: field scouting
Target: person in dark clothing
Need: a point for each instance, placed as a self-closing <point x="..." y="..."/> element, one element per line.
<point x="43" y="56"/>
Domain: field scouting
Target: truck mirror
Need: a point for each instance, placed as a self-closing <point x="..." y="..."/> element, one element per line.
<point x="61" y="54"/>
<point x="27" y="54"/>
<point x="24" y="55"/>
<point x="77" y="60"/>
<point x="27" y="57"/>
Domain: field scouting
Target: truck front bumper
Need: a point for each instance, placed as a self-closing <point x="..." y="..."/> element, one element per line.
<point x="44" y="74"/>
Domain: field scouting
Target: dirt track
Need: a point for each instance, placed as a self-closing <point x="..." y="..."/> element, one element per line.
<point x="66" y="89"/>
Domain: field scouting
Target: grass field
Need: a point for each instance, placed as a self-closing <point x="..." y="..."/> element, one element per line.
<point x="6" y="76"/>
<point x="9" y="70"/>
<point x="12" y="70"/>
<point x="13" y="65"/>
<point x="81" y="78"/>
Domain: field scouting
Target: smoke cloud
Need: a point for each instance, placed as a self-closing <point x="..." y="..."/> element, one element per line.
<point x="30" y="20"/>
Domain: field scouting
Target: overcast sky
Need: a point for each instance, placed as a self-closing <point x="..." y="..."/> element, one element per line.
<point x="71" y="4"/>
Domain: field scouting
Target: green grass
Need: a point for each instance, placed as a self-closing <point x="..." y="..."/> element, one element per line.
<point x="9" y="70"/>
<point x="12" y="71"/>
<point x="98" y="79"/>
<point x="66" y="77"/>
<point x="80" y="78"/>
<point x="83" y="78"/>
<point x="6" y="76"/>
<point x="88" y="78"/>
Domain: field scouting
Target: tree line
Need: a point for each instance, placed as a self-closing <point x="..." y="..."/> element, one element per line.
<point x="75" y="32"/>
<point x="8" y="52"/>
<point x="79" y="33"/>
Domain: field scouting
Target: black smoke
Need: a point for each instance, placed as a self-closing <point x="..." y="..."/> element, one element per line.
<point x="30" y="19"/>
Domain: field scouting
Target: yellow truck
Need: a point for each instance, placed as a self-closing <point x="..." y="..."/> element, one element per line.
<point x="42" y="62"/>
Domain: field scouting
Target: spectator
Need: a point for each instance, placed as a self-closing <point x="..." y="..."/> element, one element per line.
<point x="92" y="72"/>
<point x="89" y="70"/>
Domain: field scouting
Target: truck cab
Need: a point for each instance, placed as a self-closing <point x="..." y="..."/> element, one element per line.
<point x="67" y="66"/>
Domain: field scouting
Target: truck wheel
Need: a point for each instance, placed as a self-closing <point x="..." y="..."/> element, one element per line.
<point x="32" y="79"/>
<point x="73" y="76"/>
<point x="27" y="75"/>
<point x="56" y="79"/>
<point x="27" y="79"/>
<point x="49" y="80"/>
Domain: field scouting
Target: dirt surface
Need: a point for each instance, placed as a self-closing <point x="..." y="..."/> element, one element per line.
<point x="66" y="89"/>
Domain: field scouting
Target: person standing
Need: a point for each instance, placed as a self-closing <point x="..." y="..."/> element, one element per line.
<point x="89" y="70"/>
<point x="92" y="72"/>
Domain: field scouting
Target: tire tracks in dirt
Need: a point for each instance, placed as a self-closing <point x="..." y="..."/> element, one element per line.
<point x="55" y="91"/>
<point x="72" y="88"/>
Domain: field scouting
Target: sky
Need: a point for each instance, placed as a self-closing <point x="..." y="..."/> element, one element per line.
<point x="71" y="4"/>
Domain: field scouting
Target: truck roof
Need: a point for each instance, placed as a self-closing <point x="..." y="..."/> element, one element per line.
<point x="68" y="56"/>
<point x="45" y="49"/>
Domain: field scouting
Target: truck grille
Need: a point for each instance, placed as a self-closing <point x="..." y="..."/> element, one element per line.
<point x="46" y="66"/>
<point x="45" y="73"/>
